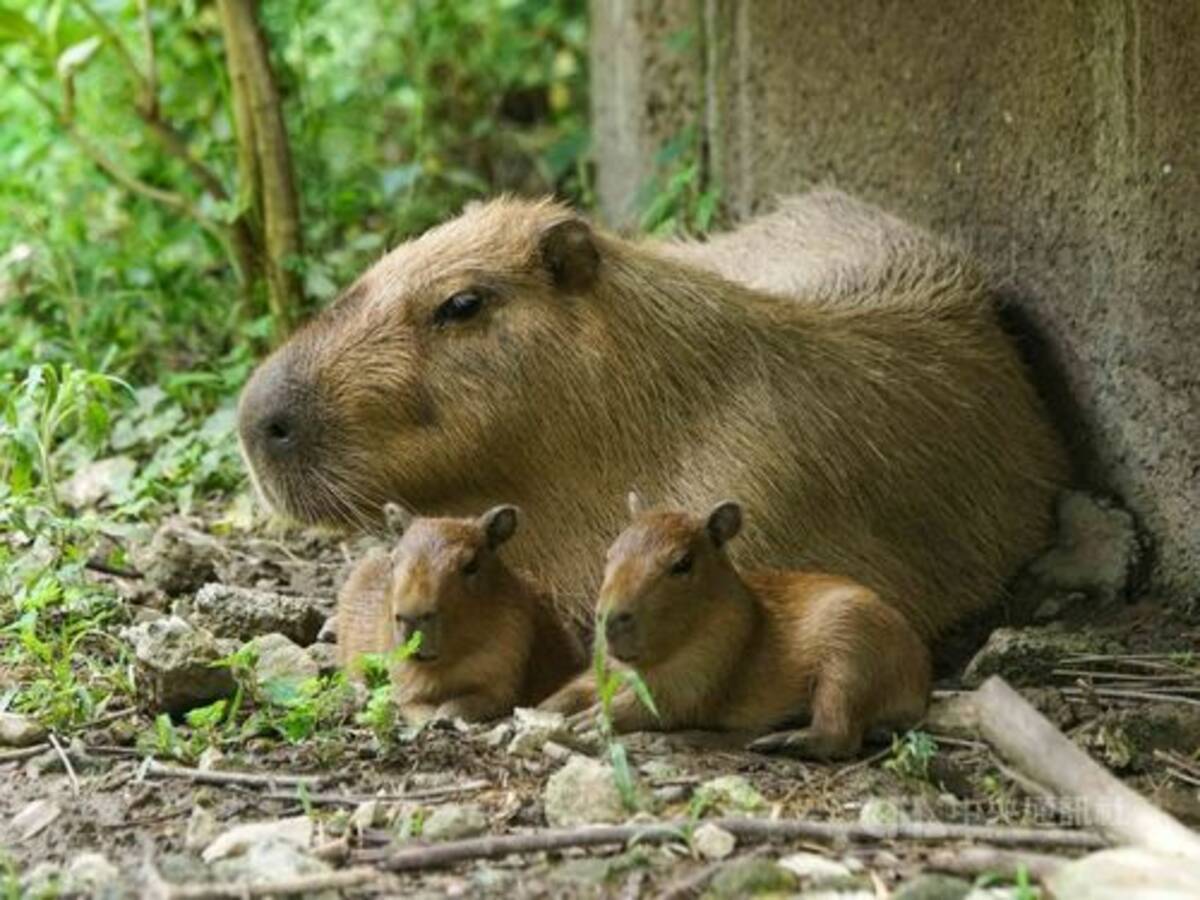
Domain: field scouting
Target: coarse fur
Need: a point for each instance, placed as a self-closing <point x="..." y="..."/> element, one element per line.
<point x="490" y="640"/>
<point x="719" y="650"/>
<point x="842" y="372"/>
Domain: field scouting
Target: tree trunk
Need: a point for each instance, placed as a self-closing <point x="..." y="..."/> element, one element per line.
<point x="266" y="181"/>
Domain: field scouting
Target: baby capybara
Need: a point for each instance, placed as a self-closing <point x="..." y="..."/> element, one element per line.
<point x="723" y="650"/>
<point x="489" y="639"/>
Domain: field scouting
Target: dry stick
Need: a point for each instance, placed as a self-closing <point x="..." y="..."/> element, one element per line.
<point x="431" y="855"/>
<point x="299" y="884"/>
<point x="22" y="754"/>
<point x="356" y="799"/>
<point x="1119" y="693"/>
<point x="155" y="769"/>
<point x="66" y="764"/>
<point x="1005" y="863"/>
<point x="1028" y="740"/>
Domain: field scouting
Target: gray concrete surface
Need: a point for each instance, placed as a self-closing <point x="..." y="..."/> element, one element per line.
<point x="1059" y="140"/>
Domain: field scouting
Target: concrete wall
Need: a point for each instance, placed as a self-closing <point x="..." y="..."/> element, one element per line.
<point x="1059" y="140"/>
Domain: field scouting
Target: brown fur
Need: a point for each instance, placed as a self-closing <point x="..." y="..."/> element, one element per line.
<point x="490" y="640"/>
<point x="721" y="651"/>
<point x="841" y="371"/>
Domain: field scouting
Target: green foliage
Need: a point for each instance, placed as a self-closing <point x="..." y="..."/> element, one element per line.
<point x="912" y="754"/>
<point x="609" y="682"/>
<point x="678" y="199"/>
<point x="380" y="714"/>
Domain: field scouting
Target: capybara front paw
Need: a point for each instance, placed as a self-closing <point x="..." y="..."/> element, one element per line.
<point x="807" y="744"/>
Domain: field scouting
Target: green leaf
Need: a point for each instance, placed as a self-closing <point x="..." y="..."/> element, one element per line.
<point x="76" y="57"/>
<point x="15" y="28"/>
<point x="640" y="690"/>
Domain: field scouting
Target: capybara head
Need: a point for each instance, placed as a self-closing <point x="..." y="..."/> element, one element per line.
<point x="663" y="574"/>
<point x="421" y="381"/>
<point x="444" y="573"/>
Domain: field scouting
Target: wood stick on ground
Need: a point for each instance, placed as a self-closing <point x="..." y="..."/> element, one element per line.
<point x="66" y="761"/>
<point x="325" y="799"/>
<point x="432" y="855"/>
<point x="993" y="860"/>
<point x="1121" y="694"/>
<point x="1031" y="743"/>
<point x="299" y="884"/>
<point x="24" y="753"/>
<point x="155" y="769"/>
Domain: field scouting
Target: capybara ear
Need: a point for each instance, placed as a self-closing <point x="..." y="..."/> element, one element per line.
<point x="396" y="518"/>
<point x="635" y="503"/>
<point x="499" y="523"/>
<point x="568" y="251"/>
<point x="724" y="522"/>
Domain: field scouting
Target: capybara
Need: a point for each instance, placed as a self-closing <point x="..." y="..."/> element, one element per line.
<point x="490" y="640"/>
<point x="843" y="373"/>
<point x="728" y="651"/>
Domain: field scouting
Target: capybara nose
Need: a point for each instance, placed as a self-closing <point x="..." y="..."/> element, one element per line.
<point x="618" y="625"/>
<point x="269" y="416"/>
<point x="278" y="432"/>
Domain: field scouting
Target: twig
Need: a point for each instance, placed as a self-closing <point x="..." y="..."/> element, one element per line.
<point x="432" y="855"/>
<point x="1125" y="676"/>
<point x="1005" y="863"/>
<point x="299" y="884"/>
<point x="1120" y="693"/>
<point x="97" y="565"/>
<point x="861" y="764"/>
<point x="115" y="716"/>
<point x="24" y="753"/>
<point x="155" y="769"/>
<point x="66" y="761"/>
<point x="1031" y="743"/>
<point x="356" y="799"/>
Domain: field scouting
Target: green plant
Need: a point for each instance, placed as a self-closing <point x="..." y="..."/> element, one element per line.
<point x="379" y="714"/>
<point x="912" y="754"/>
<point x="1022" y="883"/>
<point x="609" y="682"/>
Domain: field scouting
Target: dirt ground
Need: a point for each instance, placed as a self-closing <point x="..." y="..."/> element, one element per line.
<point x="112" y="806"/>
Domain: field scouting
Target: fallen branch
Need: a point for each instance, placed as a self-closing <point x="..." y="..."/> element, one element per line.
<point x="1005" y="863"/>
<point x="299" y="884"/>
<point x="24" y="753"/>
<point x="432" y="855"/>
<point x="154" y="769"/>
<point x="320" y="799"/>
<point x="1032" y="744"/>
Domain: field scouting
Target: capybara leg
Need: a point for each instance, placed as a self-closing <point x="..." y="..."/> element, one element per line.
<point x="477" y="707"/>
<point x="837" y="725"/>
<point x="809" y="743"/>
<point x="573" y="697"/>
<point x="418" y="713"/>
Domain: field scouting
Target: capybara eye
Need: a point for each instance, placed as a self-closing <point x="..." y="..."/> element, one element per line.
<point x="683" y="565"/>
<point x="458" y="308"/>
<point x="472" y="566"/>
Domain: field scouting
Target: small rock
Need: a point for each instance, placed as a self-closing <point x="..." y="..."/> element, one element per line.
<point x="581" y="792"/>
<point x="244" y="613"/>
<point x="43" y="880"/>
<point x="92" y="875"/>
<point x="599" y="870"/>
<point x="100" y="480"/>
<point x="453" y="821"/>
<point x="297" y="830"/>
<point x="1028" y="655"/>
<point x="271" y="859"/>
<point x="933" y="887"/>
<point x="746" y="877"/>
<point x="1095" y="551"/>
<point x="179" y="557"/>
<point x="174" y="671"/>
<point x="881" y="811"/>
<point x="812" y="867"/>
<point x="33" y="818"/>
<point x="367" y="815"/>
<point x="713" y="842"/>
<point x="20" y="731"/>
<point x="533" y="728"/>
<point x="499" y="734"/>
<point x="201" y="829"/>
<point x="325" y="657"/>
<point x="280" y="660"/>
<point x="729" y="795"/>
<point x="180" y="868"/>
<point x="1126" y="872"/>
<point x="328" y="632"/>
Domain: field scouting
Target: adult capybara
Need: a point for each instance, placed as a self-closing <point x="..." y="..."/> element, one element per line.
<point x="733" y="651"/>
<point x="842" y="372"/>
